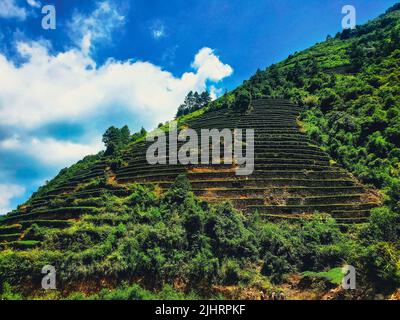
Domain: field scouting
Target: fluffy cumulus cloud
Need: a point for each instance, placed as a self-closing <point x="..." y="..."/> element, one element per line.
<point x="49" y="151"/>
<point x="7" y="193"/>
<point x="210" y="67"/>
<point x="69" y="86"/>
<point x="9" y="9"/>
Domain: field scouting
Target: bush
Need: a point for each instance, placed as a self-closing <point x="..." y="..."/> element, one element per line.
<point x="134" y="292"/>
<point x="381" y="263"/>
<point x="384" y="225"/>
<point x="242" y="100"/>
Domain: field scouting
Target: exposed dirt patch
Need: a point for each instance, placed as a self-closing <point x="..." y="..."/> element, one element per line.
<point x="276" y="197"/>
<point x="372" y="196"/>
<point x="210" y="170"/>
<point x="396" y="295"/>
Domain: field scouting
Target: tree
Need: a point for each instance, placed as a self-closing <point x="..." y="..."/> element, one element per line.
<point x="114" y="139"/>
<point x="205" y="98"/>
<point x="193" y="101"/>
<point x="243" y="100"/>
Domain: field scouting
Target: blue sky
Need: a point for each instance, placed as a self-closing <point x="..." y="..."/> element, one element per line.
<point x="116" y="62"/>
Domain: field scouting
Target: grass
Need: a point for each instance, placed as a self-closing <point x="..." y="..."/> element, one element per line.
<point x="334" y="275"/>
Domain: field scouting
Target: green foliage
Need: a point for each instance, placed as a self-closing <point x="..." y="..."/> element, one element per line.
<point x="382" y="262"/>
<point x="384" y="225"/>
<point x="334" y="275"/>
<point x="8" y="293"/>
<point x="115" y="139"/>
<point x="242" y="100"/>
<point x="134" y="292"/>
<point x="193" y="102"/>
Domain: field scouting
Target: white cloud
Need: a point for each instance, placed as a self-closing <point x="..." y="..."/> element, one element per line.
<point x="50" y="151"/>
<point x="69" y="86"/>
<point x="7" y="193"/>
<point x="9" y="9"/>
<point x="209" y="65"/>
<point x="87" y="30"/>
<point x="34" y="3"/>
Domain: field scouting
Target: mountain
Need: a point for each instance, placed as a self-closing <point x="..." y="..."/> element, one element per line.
<point x="325" y="192"/>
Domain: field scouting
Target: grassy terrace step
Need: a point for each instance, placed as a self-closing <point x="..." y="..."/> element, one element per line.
<point x="264" y="114"/>
<point x="274" y="131"/>
<point x="264" y="108"/>
<point x="94" y="193"/>
<point x="9" y="237"/>
<point x="22" y="244"/>
<point x="64" y="213"/>
<point x="261" y="124"/>
<point x="16" y="228"/>
<point x="269" y="124"/>
<point x="290" y="191"/>
<point x="265" y="158"/>
<point x="350" y="213"/>
<point x="217" y="118"/>
<point x="212" y="125"/>
<point x="88" y="193"/>
<point x="276" y="151"/>
<point x="293" y="164"/>
<point x="323" y="208"/>
<point x="61" y="190"/>
<point x="285" y="144"/>
<point x="324" y="199"/>
<point x="270" y="114"/>
<point x="290" y="148"/>
<point x="277" y="157"/>
<point x="47" y="223"/>
<point x="143" y="179"/>
<point x="150" y="173"/>
<point x="260" y="106"/>
<point x="355" y="220"/>
<point x="273" y="174"/>
<point x="296" y="218"/>
<point x="288" y="157"/>
<point x="254" y="182"/>
<point x="265" y="124"/>
<point x="310" y="201"/>
<point x="87" y="176"/>
<point x="282" y="137"/>
<point x="137" y="167"/>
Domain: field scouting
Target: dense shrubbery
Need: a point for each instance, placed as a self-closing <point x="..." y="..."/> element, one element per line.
<point x="176" y="238"/>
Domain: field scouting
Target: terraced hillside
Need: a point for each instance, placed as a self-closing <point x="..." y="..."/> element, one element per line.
<point x="293" y="177"/>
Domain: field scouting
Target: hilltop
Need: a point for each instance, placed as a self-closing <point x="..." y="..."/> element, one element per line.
<point x="327" y="149"/>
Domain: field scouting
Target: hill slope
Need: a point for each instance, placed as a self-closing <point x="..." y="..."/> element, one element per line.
<point x="293" y="177"/>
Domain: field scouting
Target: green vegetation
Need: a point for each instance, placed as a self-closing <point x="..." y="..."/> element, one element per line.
<point x="194" y="102"/>
<point x="334" y="275"/>
<point x="177" y="238"/>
